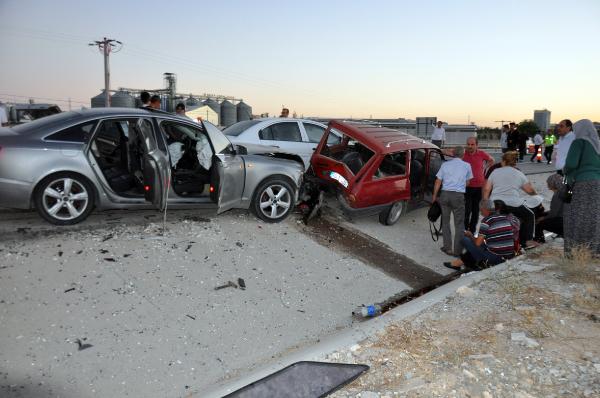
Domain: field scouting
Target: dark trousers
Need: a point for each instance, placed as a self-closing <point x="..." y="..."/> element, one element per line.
<point x="548" y="152"/>
<point x="535" y="151"/>
<point x="522" y="152"/>
<point x="472" y="200"/>
<point x="527" y="218"/>
<point x="550" y="224"/>
<point x="476" y="254"/>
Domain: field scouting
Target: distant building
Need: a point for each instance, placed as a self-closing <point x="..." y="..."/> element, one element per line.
<point x="542" y="119"/>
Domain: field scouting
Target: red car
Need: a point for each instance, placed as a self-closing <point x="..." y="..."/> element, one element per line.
<point x="375" y="169"/>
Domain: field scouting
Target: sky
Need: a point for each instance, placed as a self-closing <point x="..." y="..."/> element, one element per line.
<point x="462" y="61"/>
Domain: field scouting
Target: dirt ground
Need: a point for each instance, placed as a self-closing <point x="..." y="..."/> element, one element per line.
<point x="530" y="330"/>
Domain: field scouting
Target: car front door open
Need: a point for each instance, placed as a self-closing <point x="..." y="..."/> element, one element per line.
<point x="157" y="170"/>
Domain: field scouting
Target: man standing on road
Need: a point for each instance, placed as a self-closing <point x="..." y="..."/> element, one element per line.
<point x="504" y="138"/>
<point x="479" y="161"/>
<point x="155" y="102"/>
<point x="145" y="98"/>
<point x="512" y="137"/>
<point x="452" y="179"/>
<point x="549" y="141"/>
<point x="537" y="142"/>
<point x="522" y="142"/>
<point x="565" y="132"/>
<point x="285" y="112"/>
<point x="439" y="135"/>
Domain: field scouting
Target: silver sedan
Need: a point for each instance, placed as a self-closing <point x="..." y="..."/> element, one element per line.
<point x="65" y="165"/>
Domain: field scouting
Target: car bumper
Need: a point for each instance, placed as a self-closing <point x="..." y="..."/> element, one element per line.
<point x="15" y="194"/>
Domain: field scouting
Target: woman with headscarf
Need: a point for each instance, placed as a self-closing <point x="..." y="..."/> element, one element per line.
<point x="552" y="220"/>
<point x="582" y="171"/>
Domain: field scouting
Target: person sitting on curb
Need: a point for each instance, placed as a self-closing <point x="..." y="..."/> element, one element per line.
<point x="498" y="239"/>
<point x="552" y="220"/>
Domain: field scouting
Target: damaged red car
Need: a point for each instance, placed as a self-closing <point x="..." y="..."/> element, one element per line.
<point x="375" y="170"/>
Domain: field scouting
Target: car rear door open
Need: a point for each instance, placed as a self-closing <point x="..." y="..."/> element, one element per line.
<point x="157" y="170"/>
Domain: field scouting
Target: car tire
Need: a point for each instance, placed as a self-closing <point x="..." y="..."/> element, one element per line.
<point x="64" y="198"/>
<point x="393" y="213"/>
<point x="273" y="200"/>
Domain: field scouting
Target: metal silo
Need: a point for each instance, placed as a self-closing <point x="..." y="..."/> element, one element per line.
<point x="215" y="106"/>
<point x="244" y="111"/>
<point x="122" y="99"/>
<point x="228" y="113"/>
<point x="191" y="101"/>
<point x="98" y="101"/>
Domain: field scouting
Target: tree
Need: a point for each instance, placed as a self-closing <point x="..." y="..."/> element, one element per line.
<point x="528" y="127"/>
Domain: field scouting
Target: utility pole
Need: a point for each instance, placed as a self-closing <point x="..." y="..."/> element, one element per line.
<point x="107" y="46"/>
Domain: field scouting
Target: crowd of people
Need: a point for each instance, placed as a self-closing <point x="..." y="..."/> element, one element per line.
<point x="513" y="215"/>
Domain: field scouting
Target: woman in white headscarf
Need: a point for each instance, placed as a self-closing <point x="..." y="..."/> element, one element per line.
<point x="582" y="170"/>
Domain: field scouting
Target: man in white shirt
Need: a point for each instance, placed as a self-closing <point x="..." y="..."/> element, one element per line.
<point x="537" y="141"/>
<point x="452" y="178"/>
<point x="439" y="135"/>
<point x="3" y="115"/>
<point x="565" y="132"/>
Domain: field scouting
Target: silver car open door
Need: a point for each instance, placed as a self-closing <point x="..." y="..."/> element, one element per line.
<point x="157" y="170"/>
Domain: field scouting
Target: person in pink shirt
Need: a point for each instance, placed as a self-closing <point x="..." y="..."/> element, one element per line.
<point x="479" y="161"/>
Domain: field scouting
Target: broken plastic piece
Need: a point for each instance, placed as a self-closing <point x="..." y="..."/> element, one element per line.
<point x="242" y="284"/>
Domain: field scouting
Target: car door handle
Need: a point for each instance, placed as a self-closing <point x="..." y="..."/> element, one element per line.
<point x="275" y="146"/>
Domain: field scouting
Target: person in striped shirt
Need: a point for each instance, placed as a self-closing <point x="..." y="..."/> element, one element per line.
<point x="496" y="242"/>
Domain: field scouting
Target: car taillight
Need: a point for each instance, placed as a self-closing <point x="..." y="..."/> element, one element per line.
<point x="211" y="189"/>
<point x="146" y="188"/>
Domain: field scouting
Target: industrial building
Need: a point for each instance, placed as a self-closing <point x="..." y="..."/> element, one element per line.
<point x="218" y="109"/>
<point x="542" y="119"/>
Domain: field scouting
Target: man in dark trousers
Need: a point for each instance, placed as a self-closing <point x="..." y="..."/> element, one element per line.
<point x="522" y="143"/>
<point x="479" y="161"/>
<point x="513" y="137"/>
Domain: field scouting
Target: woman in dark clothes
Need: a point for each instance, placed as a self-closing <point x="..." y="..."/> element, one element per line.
<point x="582" y="170"/>
<point x="552" y="220"/>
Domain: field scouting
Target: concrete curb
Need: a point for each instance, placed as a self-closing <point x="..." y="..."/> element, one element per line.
<point x="361" y="331"/>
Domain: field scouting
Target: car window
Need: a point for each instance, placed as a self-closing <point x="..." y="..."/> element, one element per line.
<point x="285" y="131"/>
<point x="239" y="127"/>
<point x="392" y="165"/>
<point x="78" y="133"/>
<point x="314" y="132"/>
<point x="220" y="143"/>
<point x="47" y="122"/>
<point x="348" y="151"/>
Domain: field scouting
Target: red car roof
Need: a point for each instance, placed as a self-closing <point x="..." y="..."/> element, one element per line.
<point x="381" y="139"/>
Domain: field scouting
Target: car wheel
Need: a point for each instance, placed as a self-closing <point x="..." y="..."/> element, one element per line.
<point x="392" y="214"/>
<point x="273" y="200"/>
<point x="64" y="198"/>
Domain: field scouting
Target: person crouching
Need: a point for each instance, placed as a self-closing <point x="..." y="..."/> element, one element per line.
<point x="497" y="240"/>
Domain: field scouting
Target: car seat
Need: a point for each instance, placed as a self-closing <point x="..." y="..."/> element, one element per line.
<point x="353" y="161"/>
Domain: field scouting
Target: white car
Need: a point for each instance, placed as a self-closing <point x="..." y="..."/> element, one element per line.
<point x="297" y="136"/>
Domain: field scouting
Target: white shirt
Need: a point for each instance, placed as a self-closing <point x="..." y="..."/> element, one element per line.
<point x="538" y="140"/>
<point x="3" y="115"/>
<point x="507" y="186"/>
<point x="454" y="175"/>
<point x="503" y="137"/>
<point x="564" y="143"/>
<point x="439" y="134"/>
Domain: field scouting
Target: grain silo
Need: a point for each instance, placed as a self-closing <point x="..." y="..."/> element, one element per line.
<point x="228" y="113"/>
<point x="99" y="101"/>
<point x="215" y="106"/>
<point x="122" y="99"/>
<point x="191" y="101"/>
<point x="244" y="111"/>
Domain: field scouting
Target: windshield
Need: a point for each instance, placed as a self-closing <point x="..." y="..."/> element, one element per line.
<point x="236" y="129"/>
<point x="47" y="122"/>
